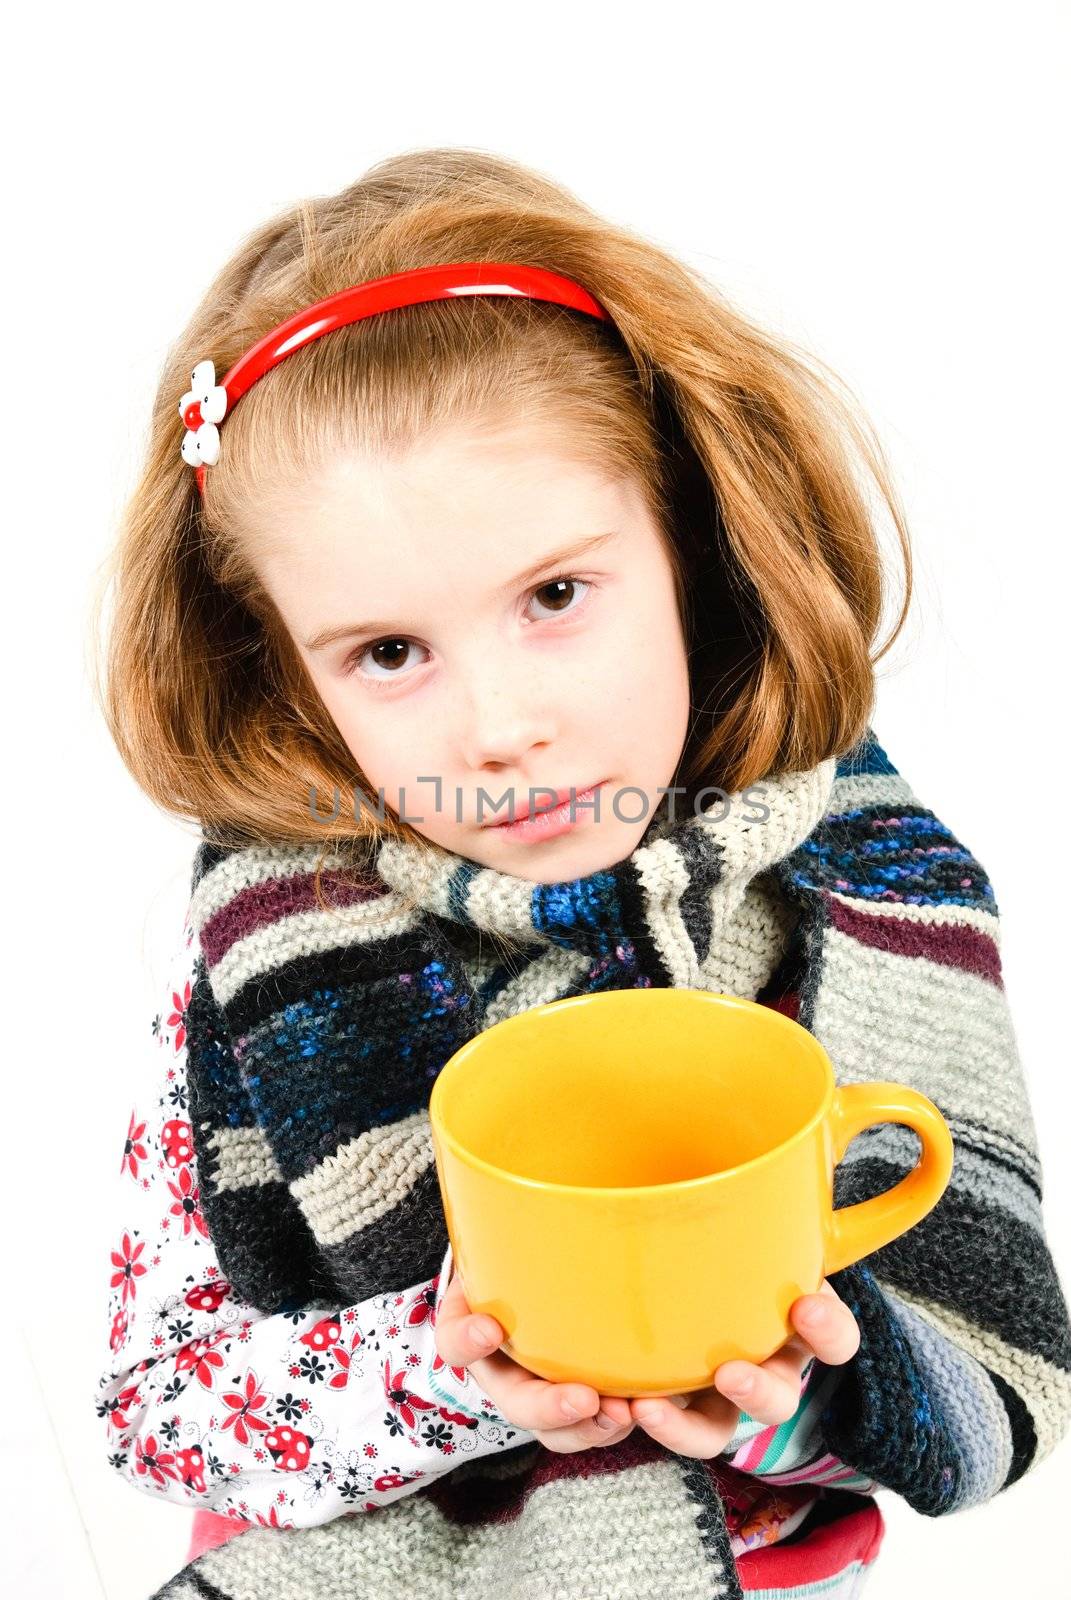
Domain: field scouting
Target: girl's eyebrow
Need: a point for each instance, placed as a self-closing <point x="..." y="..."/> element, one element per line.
<point x="558" y="558"/>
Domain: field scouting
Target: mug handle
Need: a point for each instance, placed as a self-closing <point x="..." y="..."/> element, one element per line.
<point x="854" y="1231"/>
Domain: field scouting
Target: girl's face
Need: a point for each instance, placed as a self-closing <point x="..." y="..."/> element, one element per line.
<point x="461" y="640"/>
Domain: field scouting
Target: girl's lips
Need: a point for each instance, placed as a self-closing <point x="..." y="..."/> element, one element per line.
<point x="548" y="824"/>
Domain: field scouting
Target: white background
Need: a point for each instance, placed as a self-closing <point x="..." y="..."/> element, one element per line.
<point x="884" y="184"/>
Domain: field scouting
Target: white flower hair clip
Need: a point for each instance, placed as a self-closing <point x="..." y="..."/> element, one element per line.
<point x="201" y="407"/>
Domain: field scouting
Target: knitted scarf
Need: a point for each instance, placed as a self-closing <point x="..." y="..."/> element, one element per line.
<point x="313" y="1039"/>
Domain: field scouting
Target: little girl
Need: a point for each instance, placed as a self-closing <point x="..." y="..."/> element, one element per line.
<point x="521" y="546"/>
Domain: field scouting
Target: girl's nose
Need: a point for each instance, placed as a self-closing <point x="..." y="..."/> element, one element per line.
<point x="503" y="720"/>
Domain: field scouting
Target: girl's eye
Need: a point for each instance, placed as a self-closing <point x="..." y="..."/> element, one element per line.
<point x="392" y="654"/>
<point x="562" y="600"/>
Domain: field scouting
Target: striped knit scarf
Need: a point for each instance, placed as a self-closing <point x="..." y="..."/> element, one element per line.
<point x="314" y="1036"/>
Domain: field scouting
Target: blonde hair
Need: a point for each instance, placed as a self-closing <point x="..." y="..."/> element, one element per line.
<point x="738" y="440"/>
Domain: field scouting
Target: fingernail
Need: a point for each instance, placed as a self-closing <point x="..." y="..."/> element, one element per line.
<point x="649" y="1412"/>
<point x="571" y="1412"/>
<point x="605" y="1422"/>
<point x="741" y="1386"/>
<point x="482" y="1335"/>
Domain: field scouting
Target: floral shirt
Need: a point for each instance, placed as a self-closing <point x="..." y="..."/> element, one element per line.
<point x="291" y="1419"/>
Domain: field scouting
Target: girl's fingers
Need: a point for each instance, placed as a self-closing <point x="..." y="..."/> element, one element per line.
<point x="707" y="1419"/>
<point x="699" y="1424"/>
<point x="770" y="1393"/>
<point x="613" y="1422"/>
<point x="827" y="1325"/>
<point x="529" y="1402"/>
<point x="570" y="1415"/>
<point x="617" y="1409"/>
<point x="457" y="1331"/>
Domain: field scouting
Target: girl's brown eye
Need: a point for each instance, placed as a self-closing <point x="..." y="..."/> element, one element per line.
<point x="564" y="596"/>
<point x="388" y="645"/>
<point x="558" y="584"/>
<point x="386" y="658"/>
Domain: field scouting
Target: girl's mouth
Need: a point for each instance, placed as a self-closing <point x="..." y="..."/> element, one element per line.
<point x="540" y="824"/>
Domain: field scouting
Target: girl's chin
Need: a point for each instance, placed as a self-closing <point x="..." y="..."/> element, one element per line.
<point x="569" y="855"/>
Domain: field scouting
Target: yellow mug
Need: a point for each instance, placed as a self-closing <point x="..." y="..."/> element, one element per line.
<point x="638" y="1183"/>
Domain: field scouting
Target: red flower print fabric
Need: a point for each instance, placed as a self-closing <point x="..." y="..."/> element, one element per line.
<point x="283" y="1420"/>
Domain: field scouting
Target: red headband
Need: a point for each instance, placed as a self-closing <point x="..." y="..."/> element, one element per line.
<point x="206" y="403"/>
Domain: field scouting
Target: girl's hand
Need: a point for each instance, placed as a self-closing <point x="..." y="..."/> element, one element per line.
<point x="560" y="1415"/>
<point x="701" y="1424"/>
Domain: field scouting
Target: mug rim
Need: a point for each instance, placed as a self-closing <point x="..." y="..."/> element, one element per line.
<point x="816" y="1048"/>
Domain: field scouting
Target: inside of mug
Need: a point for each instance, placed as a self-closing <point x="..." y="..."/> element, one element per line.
<point x="633" y="1088"/>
